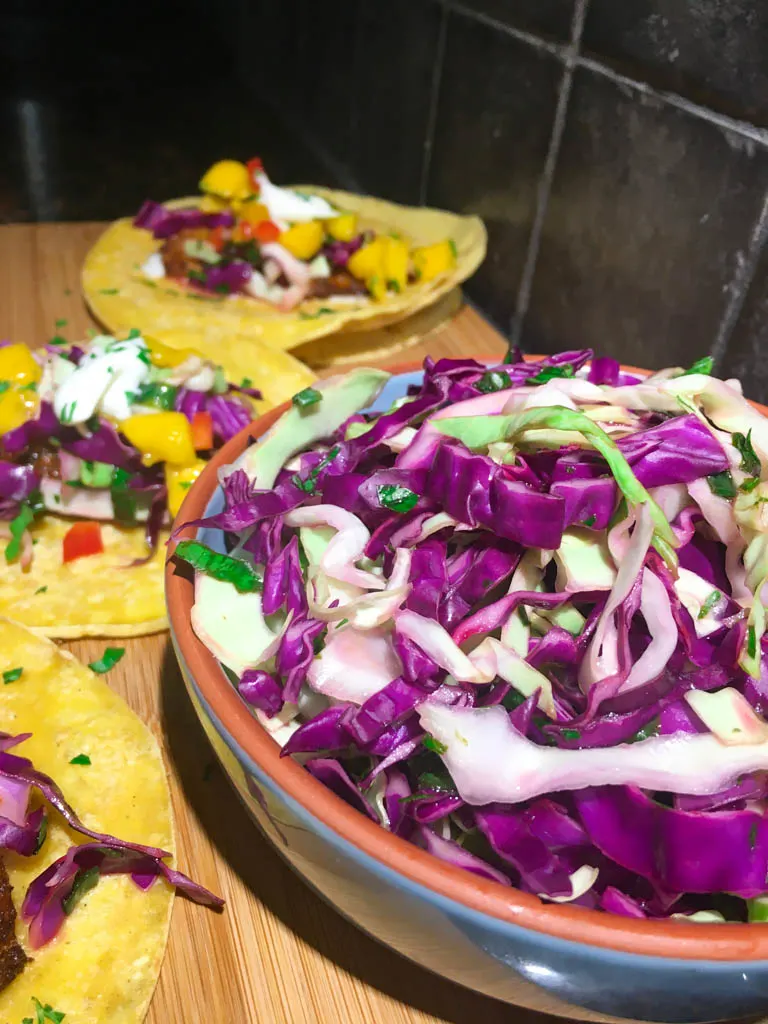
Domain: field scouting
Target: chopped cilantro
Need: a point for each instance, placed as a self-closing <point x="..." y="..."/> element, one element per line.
<point x="434" y="745"/>
<point x="722" y="484"/>
<point x="750" y="463"/>
<point x="67" y="412"/>
<point x="108" y="660"/>
<point x="749" y="485"/>
<point x="393" y="285"/>
<point x="17" y="526"/>
<point x="397" y="498"/>
<point x="60" y="323"/>
<point x="239" y="573"/>
<point x="4" y="385"/>
<point x="495" y="380"/>
<point x="570" y="734"/>
<point x="12" y="674"/>
<point x="309" y="483"/>
<point x="58" y="340"/>
<point x="41" y="590"/>
<point x="246" y="382"/>
<point x="703" y="365"/>
<point x="442" y="782"/>
<point x="185" y="485"/>
<point x="452" y="246"/>
<point x="342" y="622"/>
<point x="323" y="311"/>
<point x="32" y="386"/>
<point x="161" y="396"/>
<point x="109" y="291"/>
<point x="647" y="731"/>
<point x="83" y="883"/>
<point x="590" y="521"/>
<point x="306" y="398"/>
<point x="44" y="1013"/>
<point x="709" y="604"/>
<point x="81" y="759"/>
<point x="550" y="372"/>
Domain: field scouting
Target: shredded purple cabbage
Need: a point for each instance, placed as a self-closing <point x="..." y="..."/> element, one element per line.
<point x="522" y="625"/>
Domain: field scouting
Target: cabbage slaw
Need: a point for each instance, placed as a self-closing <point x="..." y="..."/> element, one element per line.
<point x="518" y="619"/>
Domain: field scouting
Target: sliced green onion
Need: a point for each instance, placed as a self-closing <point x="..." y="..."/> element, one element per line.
<point x="307" y="398"/>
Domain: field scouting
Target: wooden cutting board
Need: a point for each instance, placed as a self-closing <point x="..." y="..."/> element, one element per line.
<point x="277" y="953"/>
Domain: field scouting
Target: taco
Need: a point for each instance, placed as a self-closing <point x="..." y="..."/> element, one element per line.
<point x="99" y="443"/>
<point x="251" y="260"/>
<point x="78" y="769"/>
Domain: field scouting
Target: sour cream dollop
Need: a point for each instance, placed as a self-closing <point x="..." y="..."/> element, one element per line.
<point x="284" y="204"/>
<point x="109" y="375"/>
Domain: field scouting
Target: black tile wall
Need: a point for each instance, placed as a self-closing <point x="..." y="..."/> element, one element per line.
<point x="713" y="51"/>
<point x="551" y="17"/>
<point x="491" y="138"/>
<point x="747" y="353"/>
<point x="651" y="211"/>
<point x="621" y="169"/>
<point x="392" y="84"/>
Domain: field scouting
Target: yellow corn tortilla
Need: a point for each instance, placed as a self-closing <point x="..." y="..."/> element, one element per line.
<point x="121" y="298"/>
<point x="91" y="596"/>
<point x="345" y="349"/>
<point x="103" y="966"/>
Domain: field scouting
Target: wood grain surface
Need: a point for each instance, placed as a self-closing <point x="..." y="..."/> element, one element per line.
<point x="277" y="953"/>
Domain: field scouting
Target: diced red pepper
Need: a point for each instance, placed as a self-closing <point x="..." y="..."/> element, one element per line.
<point x="255" y="167"/>
<point x="81" y="539"/>
<point x="202" y="431"/>
<point x="267" y="231"/>
<point x="216" y="238"/>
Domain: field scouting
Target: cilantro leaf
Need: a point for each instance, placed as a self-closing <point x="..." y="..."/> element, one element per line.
<point x="703" y="365"/>
<point x="434" y="745"/>
<point x="84" y="881"/>
<point x="81" y="759"/>
<point x="494" y="380"/>
<point x="239" y="573"/>
<point x="397" y="498"/>
<point x="12" y="674"/>
<point x="550" y="372"/>
<point x="108" y="660"/>
<point x="17" y="526"/>
<point x="722" y="484"/>
<point x="750" y="463"/>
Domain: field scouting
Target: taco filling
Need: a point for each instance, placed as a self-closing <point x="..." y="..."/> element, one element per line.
<point x="109" y="431"/>
<point x="281" y="246"/>
<point x="12" y="956"/>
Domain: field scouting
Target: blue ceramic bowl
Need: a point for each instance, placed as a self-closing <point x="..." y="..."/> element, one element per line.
<point x="498" y="941"/>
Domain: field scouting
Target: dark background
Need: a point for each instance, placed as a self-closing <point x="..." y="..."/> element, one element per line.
<point x="617" y="149"/>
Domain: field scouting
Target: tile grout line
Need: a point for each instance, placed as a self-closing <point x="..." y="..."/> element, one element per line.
<point x="548" y="174"/>
<point x="537" y="42"/>
<point x="437" y="78"/>
<point x="731" y="124"/>
<point x="740" y="283"/>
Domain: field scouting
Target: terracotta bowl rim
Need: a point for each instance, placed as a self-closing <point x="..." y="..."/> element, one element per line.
<point x="666" y="939"/>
